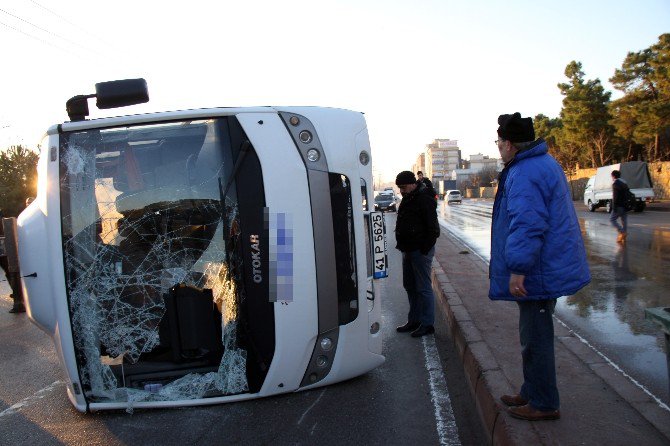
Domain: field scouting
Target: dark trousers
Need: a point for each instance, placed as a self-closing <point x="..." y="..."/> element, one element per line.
<point x="536" y="333"/>
<point x="619" y="212"/>
<point x="14" y="281"/>
<point x="416" y="279"/>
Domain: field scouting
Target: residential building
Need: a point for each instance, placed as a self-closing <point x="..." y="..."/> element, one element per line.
<point x="420" y="164"/>
<point x="442" y="157"/>
<point x="480" y="162"/>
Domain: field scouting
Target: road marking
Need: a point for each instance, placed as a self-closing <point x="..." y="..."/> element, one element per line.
<point x="311" y="406"/>
<point x="32" y="398"/>
<point x="660" y="403"/>
<point x="447" y="431"/>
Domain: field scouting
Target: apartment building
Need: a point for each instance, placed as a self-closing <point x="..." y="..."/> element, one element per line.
<point x="420" y="164"/>
<point x="479" y="162"/>
<point x="442" y="156"/>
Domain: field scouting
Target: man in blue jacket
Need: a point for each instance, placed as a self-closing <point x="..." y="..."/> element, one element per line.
<point x="537" y="256"/>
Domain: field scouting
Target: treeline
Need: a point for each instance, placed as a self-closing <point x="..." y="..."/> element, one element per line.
<point x="594" y="131"/>
<point x="18" y="179"/>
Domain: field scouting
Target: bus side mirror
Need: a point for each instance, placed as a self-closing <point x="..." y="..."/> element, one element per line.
<point x="121" y="93"/>
<point x="110" y="94"/>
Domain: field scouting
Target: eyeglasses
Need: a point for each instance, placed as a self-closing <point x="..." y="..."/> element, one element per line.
<point x="497" y="141"/>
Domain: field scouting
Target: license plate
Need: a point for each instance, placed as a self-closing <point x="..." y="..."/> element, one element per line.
<point x="379" y="250"/>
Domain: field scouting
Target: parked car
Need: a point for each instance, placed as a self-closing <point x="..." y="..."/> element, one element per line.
<point x="385" y="201"/>
<point x="453" y="196"/>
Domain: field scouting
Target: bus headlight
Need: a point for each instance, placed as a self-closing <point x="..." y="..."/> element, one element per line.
<point x="364" y="157"/>
<point x="326" y="344"/>
<point x="323" y="355"/>
<point x="305" y="136"/>
<point x="313" y="155"/>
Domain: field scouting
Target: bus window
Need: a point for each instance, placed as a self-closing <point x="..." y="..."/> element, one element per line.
<point x="364" y="194"/>
<point x="345" y="247"/>
<point x="154" y="265"/>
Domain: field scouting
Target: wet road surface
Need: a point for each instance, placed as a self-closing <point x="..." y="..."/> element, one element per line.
<point x="609" y="313"/>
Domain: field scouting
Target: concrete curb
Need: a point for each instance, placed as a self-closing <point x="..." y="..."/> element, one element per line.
<point x="481" y="371"/>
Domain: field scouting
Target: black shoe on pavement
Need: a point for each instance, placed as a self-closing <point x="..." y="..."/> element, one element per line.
<point x="410" y="326"/>
<point x="423" y="330"/>
<point x="18" y="309"/>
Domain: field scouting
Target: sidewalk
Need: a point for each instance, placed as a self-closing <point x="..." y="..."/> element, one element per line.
<point x="598" y="404"/>
<point x="660" y="205"/>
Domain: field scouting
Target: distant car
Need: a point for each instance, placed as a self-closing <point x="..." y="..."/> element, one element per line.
<point x="453" y="196"/>
<point x="385" y="201"/>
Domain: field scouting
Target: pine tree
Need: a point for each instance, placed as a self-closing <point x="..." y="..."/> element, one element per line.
<point x="585" y="116"/>
<point x="642" y="115"/>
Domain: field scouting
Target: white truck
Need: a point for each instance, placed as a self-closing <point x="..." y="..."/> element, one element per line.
<point x="598" y="191"/>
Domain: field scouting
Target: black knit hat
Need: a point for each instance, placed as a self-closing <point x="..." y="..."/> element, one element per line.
<point x="514" y="128"/>
<point x="405" y="177"/>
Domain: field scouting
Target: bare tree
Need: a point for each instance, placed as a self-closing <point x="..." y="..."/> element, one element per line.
<point x="487" y="175"/>
<point x="600" y="147"/>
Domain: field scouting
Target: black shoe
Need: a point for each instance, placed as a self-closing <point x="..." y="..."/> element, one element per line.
<point x="423" y="330"/>
<point x="18" y="309"/>
<point x="410" y="326"/>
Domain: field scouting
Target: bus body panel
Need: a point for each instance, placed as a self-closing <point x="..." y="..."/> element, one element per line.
<point x="287" y="192"/>
<point x="39" y="232"/>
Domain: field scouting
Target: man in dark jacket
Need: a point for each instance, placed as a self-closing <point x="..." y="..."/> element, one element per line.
<point x="429" y="184"/>
<point x="537" y="256"/>
<point x="416" y="231"/>
<point x="619" y="190"/>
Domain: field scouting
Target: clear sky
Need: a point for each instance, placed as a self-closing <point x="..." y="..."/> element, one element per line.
<point x="419" y="70"/>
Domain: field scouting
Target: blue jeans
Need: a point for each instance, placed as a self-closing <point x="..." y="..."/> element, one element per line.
<point x="617" y="212"/>
<point x="536" y="332"/>
<point x="416" y="280"/>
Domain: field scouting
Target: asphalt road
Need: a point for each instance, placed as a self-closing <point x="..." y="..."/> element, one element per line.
<point x="418" y="396"/>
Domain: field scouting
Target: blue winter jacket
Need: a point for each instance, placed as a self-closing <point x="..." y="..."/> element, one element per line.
<point x="535" y="231"/>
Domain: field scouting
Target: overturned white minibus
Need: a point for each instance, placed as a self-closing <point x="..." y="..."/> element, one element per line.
<point x="204" y="256"/>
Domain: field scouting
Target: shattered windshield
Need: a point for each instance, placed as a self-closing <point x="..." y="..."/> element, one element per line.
<point x="159" y="300"/>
